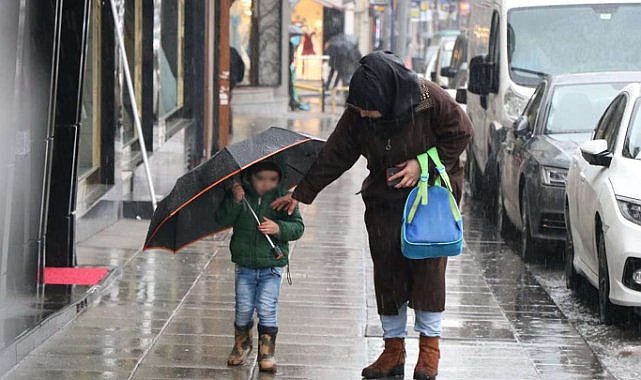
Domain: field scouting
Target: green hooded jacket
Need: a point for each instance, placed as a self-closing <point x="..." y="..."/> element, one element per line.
<point x="249" y="248"/>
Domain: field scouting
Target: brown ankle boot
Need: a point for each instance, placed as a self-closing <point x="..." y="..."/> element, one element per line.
<point x="267" y="348"/>
<point x="390" y="363"/>
<point x="242" y="345"/>
<point x="428" y="357"/>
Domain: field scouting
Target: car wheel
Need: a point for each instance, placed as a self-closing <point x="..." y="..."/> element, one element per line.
<point x="529" y="245"/>
<point x="473" y="176"/>
<point x="571" y="276"/>
<point x="608" y="312"/>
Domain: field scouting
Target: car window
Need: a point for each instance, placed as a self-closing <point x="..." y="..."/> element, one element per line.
<point x="557" y="38"/>
<point x="532" y="109"/>
<point x="458" y="55"/>
<point x="576" y="108"/>
<point x="494" y="51"/>
<point x="610" y="122"/>
<point x="632" y="148"/>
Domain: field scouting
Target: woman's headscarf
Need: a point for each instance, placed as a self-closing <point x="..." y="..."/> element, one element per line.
<point x="384" y="84"/>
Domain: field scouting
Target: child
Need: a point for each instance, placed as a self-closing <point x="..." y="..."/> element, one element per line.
<point x="258" y="271"/>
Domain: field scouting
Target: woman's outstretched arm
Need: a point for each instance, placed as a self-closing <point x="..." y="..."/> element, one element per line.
<point x="338" y="155"/>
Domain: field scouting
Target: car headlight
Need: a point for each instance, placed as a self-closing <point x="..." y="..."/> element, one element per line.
<point x="514" y="104"/>
<point x="630" y="209"/>
<point x="553" y="176"/>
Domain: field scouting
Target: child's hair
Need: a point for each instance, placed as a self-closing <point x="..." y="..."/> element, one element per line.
<point x="266" y="166"/>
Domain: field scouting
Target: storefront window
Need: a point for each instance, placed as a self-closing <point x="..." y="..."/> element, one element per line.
<point x="240" y="28"/>
<point x="89" y="149"/>
<point x="132" y="16"/>
<point x="255" y="32"/>
<point x="308" y="15"/>
<point x="169" y="32"/>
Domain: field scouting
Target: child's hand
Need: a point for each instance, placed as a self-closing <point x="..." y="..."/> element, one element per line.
<point x="238" y="191"/>
<point x="269" y="227"/>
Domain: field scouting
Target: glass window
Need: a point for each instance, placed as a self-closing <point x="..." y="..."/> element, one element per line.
<point x="169" y="30"/>
<point x="89" y="148"/>
<point x="240" y="28"/>
<point x="611" y="121"/>
<point x="532" y="108"/>
<point x="495" y="51"/>
<point x="132" y="19"/>
<point x="632" y="148"/>
<point x="446" y="55"/>
<point x="573" y="39"/>
<point x="577" y="108"/>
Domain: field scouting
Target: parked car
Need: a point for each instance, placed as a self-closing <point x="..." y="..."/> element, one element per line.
<point x="442" y="59"/>
<point x="456" y="71"/>
<point x="562" y="114"/>
<point x="603" y="207"/>
<point x="514" y="43"/>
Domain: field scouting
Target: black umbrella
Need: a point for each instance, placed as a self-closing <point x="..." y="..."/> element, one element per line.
<point x="187" y="213"/>
<point x="344" y="55"/>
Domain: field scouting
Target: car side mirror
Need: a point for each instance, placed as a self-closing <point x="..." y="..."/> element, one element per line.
<point x="596" y="153"/>
<point x="480" y="75"/>
<point x="448" y="72"/>
<point x="461" y="95"/>
<point x="521" y="127"/>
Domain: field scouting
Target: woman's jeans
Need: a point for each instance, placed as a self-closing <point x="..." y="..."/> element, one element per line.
<point x="257" y="290"/>
<point x="427" y="323"/>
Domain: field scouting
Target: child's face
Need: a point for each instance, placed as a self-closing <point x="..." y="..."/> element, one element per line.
<point x="264" y="181"/>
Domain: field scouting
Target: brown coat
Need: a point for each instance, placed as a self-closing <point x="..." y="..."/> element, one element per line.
<point x="438" y="121"/>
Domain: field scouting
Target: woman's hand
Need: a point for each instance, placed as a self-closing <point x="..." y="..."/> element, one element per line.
<point x="238" y="191"/>
<point x="269" y="227"/>
<point x="286" y="202"/>
<point x="409" y="175"/>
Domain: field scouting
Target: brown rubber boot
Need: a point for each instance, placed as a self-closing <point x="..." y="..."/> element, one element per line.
<point x="428" y="357"/>
<point x="390" y="363"/>
<point x="242" y="345"/>
<point x="267" y="348"/>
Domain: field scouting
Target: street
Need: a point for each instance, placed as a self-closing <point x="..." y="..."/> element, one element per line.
<point x="170" y="316"/>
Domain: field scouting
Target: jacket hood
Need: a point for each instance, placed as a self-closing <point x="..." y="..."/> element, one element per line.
<point x="246" y="182"/>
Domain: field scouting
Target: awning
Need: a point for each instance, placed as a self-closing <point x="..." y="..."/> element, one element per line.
<point x="338" y="4"/>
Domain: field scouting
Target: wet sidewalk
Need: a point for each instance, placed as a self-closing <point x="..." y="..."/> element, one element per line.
<point x="171" y="316"/>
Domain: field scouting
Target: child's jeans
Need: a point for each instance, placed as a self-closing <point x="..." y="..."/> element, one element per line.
<point x="427" y="323"/>
<point x="257" y="289"/>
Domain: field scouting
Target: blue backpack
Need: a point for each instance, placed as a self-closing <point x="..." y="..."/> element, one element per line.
<point x="432" y="223"/>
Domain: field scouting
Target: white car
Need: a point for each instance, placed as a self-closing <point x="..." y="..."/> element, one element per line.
<point x="603" y="207"/>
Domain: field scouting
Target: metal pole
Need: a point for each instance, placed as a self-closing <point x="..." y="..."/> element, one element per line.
<point x="132" y="100"/>
<point x="391" y="27"/>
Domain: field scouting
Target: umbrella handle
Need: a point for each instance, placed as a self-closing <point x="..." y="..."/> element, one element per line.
<point x="278" y="253"/>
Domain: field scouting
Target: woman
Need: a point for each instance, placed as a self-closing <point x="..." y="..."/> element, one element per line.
<point x="391" y="118"/>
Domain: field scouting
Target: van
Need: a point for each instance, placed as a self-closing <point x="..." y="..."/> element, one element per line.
<point x="513" y="44"/>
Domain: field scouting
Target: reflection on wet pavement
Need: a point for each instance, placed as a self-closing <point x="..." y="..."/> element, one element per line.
<point x="171" y="316"/>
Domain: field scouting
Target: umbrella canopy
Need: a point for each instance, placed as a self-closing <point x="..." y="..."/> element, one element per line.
<point x="187" y="213"/>
<point x="343" y="55"/>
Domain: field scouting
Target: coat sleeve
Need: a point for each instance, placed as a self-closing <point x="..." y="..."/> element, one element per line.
<point x="228" y="213"/>
<point x="338" y="155"/>
<point x="291" y="227"/>
<point x="451" y="126"/>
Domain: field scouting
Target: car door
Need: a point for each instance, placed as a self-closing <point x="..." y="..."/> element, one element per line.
<point x="516" y="154"/>
<point x="591" y="178"/>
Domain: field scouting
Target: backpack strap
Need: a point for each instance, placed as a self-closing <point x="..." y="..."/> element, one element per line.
<point x="443" y="178"/>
